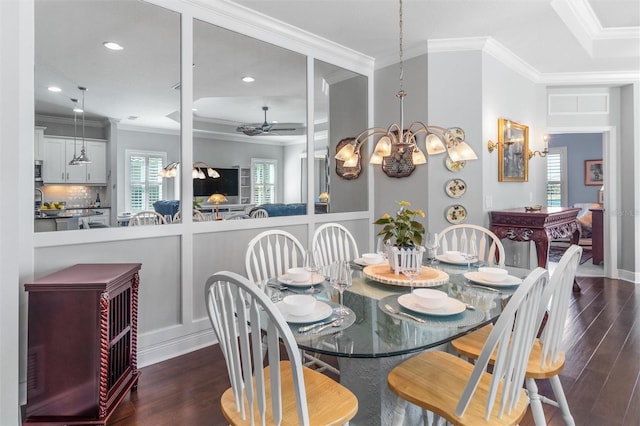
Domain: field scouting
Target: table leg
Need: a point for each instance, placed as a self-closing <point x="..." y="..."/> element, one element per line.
<point x="367" y="379"/>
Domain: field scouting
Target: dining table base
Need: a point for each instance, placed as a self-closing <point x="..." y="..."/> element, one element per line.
<point x="367" y="379"/>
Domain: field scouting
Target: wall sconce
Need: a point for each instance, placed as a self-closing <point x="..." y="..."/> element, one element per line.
<point x="542" y="153"/>
<point x="508" y="139"/>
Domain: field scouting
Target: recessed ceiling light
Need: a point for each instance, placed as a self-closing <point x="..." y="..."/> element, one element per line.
<point x="112" y="45"/>
<point x="54" y="89"/>
<point x="194" y="109"/>
<point x="248" y="79"/>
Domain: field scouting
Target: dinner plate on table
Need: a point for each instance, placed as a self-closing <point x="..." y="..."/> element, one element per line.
<point x="451" y="306"/>
<point x="509" y="281"/>
<point x="321" y="311"/>
<point x="315" y="279"/>
<point x="444" y="259"/>
<point x="361" y="262"/>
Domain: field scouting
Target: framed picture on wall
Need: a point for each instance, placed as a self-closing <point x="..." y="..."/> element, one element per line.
<point x="513" y="149"/>
<point x="593" y="173"/>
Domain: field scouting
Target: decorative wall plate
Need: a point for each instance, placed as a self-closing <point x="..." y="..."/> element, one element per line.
<point x="456" y="214"/>
<point x="455" y="188"/>
<point x="457" y="132"/>
<point x="454" y="166"/>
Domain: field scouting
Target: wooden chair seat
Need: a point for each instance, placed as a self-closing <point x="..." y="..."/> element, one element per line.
<point x="471" y="344"/>
<point x="436" y="380"/>
<point x="328" y="402"/>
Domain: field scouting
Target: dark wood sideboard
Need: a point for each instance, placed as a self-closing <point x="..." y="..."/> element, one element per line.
<point x="82" y="343"/>
<point x="540" y="226"/>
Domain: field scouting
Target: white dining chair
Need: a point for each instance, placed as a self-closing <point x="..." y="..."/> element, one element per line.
<point x="466" y="394"/>
<point x="490" y="248"/>
<point x="547" y="358"/>
<point x="334" y="242"/>
<point x="258" y="213"/>
<point x="270" y="253"/>
<point x="148" y="217"/>
<point x="197" y="216"/>
<point x="272" y="391"/>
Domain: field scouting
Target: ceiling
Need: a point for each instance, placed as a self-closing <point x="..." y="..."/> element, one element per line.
<point x="559" y="36"/>
<point x="573" y="38"/>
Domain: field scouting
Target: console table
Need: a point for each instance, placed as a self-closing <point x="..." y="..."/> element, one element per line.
<point x="82" y="343"/>
<point x="539" y="226"/>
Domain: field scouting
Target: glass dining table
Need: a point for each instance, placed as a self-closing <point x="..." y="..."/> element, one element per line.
<point x="384" y="326"/>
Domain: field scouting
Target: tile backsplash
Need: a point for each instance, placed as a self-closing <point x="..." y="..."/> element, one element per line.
<point x="75" y="196"/>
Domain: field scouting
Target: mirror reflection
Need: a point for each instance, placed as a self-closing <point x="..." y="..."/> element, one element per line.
<point x="340" y="109"/>
<point x="107" y="98"/>
<point x="249" y="125"/>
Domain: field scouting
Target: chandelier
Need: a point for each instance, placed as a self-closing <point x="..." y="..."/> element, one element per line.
<point x="197" y="172"/>
<point x="399" y="144"/>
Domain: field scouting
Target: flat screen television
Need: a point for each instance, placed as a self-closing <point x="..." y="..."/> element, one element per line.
<point x="226" y="184"/>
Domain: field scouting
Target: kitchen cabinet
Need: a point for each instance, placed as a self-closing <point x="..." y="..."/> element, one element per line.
<point x="97" y="169"/>
<point x="38" y="143"/>
<point x="82" y="343"/>
<point x="59" y="151"/>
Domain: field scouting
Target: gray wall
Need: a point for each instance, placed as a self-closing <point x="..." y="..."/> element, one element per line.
<point x="580" y="147"/>
<point x="348" y="109"/>
<point x="628" y="169"/>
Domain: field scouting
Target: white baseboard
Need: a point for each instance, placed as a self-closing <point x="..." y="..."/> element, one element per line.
<point x="172" y="348"/>
<point x="633" y="277"/>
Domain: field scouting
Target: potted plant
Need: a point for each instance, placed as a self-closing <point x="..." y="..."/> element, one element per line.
<point x="403" y="235"/>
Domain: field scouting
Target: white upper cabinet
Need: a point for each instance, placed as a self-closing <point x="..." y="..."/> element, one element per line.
<point x="58" y="152"/>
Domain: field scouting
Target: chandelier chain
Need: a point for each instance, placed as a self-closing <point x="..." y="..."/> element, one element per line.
<point x="401" y="51"/>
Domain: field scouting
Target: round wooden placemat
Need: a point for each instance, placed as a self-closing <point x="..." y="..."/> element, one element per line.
<point x="429" y="277"/>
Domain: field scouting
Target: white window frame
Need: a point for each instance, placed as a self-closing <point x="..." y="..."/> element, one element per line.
<point x="562" y="152"/>
<point x="128" y="153"/>
<point x="254" y="163"/>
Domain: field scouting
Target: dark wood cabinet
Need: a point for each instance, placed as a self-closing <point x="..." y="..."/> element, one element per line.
<point x="82" y="343"/>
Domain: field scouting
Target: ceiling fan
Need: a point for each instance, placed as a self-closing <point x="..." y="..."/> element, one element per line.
<point x="265" y="128"/>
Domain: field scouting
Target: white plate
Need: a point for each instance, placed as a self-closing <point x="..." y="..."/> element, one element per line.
<point x="360" y="261"/>
<point x="454" y="166"/>
<point x="455" y="188"/>
<point x="456" y="214"/>
<point x="476" y="277"/>
<point x="444" y="259"/>
<point x="451" y="306"/>
<point x="315" y="279"/>
<point x="320" y="311"/>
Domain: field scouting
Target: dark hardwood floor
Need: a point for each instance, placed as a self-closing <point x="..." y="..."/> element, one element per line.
<point x="600" y="379"/>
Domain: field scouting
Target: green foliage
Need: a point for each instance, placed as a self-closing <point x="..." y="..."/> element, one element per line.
<point x="402" y="230"/>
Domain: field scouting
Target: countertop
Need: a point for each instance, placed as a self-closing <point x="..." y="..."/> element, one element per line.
<point x="74" y="212"/>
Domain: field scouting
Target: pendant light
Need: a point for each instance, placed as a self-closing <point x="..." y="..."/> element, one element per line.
<point x="83" y="158"/>
<point x="74" y="160"/>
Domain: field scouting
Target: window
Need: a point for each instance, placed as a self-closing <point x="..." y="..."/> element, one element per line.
<point x="556" y="177"/>
<point x="263" y="181"/>
<point x="142" y="179"/>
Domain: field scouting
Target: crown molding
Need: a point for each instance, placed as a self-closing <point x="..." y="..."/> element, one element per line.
<point x="255" y="24"/>
<point x="597" y="41"/>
